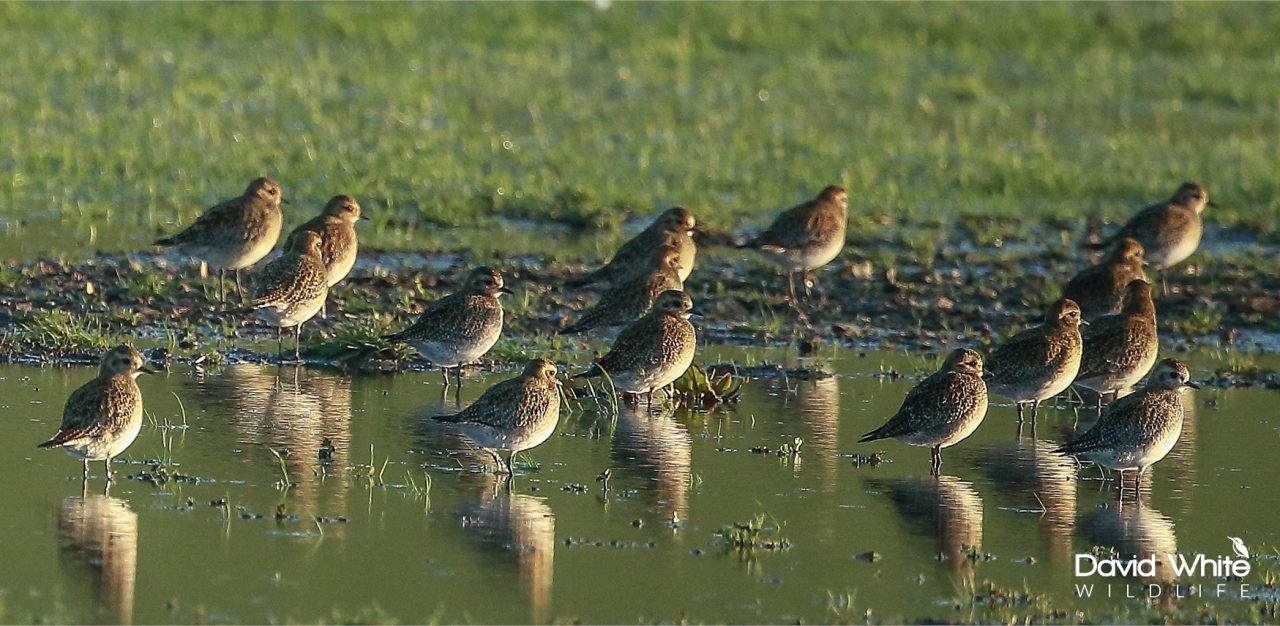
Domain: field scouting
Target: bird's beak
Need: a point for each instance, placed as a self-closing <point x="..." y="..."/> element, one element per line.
<point x="1191" y="385"/>
<point x="364" y="218"/>
<point x="695" y="313"/>
<point x="505" y="290"/>
<point x="1084" y="322"/>
<point x="1211" y="203"/>
<point x="148" y="370"/>
<point x="285" y="201"/>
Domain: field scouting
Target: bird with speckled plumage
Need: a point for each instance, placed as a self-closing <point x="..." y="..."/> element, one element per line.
<point x="1140" y="429"/>
<point x="460" y="327"/>
<point x="234" y="234"/>
<point x="628" y="300"/>
<point x="103" y="416"/>
<point x="674" y="227"/>
<point x="1119" y="350"/>
<point x="291" y="288"/>
<point x="1099" y="289"/>
<point x="806" y="236"/>
<point x="1169" y="231"/>
<point x="514" y="415"/>
<point x="942" y="410"/>
<point x="339" y="245"/>
<point x="1039" y="362"/>
<point x="653" y="351"/>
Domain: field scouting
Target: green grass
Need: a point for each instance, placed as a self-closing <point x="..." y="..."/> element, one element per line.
<point x="124" y="120"/>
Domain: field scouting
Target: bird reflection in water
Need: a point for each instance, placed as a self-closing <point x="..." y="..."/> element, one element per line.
<point x="1133" y="530"/>
<point x="651" y="443"/>
<point x="514" y="526"/>
<point x="944" y="507"/>
<point x="810" y="409"/>
<point x="99" y="534"/>
<point x="302" y="414"/>
<point x="1034" y="480"/>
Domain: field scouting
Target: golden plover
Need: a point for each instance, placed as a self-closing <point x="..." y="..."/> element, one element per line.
<point x="1099" y="289"/>
<point x="515" y="415"/>
<point x="1168" y="231"/>
<point x="339" y="246"/>
<point x="1040" y="362"/>
<point x="653" y="351"/>
<point x="1139" y="429"/>
<point x="103" y="417"/>
<point x="673" y="227"/>
<point x="460" y="327"/>
<point x="1120" y="349"/>
<point x="235" y="234"/>
<point x="628" y="300"/>
<point x="942" y="410"/>
<point x="806" y="236"/>
<point x="292" y="288"/>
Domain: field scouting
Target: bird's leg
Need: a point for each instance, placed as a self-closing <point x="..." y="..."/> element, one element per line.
<point x="239" y="287"/>
<point x="457" y="376"/>
<point x="222" y="286"/>
<point x="501" y="468"/>
<point x="935" y="464"/>
<point x="86" y="471"/>
<point x="511" y="463"/>
<point x="279" y="344"/>
<point x="791" y="289"/>
<point x="1035" y="408"/>
<point x="1018" y="404"/>
<point x="297" y="343"/>
<point x="107" y="465"/>
<point x="445" y="372"/>
<point x="1100" y="403"/>
<point x="1164" y="286"/>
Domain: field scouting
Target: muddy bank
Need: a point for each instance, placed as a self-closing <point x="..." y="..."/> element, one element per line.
<point x="901" y="294"/>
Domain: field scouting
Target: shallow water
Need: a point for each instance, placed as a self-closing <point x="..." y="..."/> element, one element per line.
<point x="555" y="546"/>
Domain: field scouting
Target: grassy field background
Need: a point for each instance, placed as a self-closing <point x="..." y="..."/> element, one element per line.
<point x="121" y="120"/>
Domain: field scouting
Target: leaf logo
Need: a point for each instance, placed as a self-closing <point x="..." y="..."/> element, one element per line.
<point x="1237" y="544"/>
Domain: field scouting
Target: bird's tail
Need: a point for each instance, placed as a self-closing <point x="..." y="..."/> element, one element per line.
<point x="890" y="429"/>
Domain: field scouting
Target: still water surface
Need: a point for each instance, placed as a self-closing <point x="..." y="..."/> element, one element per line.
<point x="554" y="546"/>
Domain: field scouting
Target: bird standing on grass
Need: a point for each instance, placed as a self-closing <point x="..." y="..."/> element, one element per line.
<point x="103" y="417"/>
<point x="629" y="299"/>
<point x="942" y="410"/>
<point x="1099" y="289"/>
<point x="235" y="234"/>
<point x="1119" y="350"/>
<point x="674" y="227"/>
<point x="806" y="236"/>
<point x="339" y="245"/>
<point x="1169" y="231"/>
<point x="292" y="288"/>
<point x="460" y="327"/>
